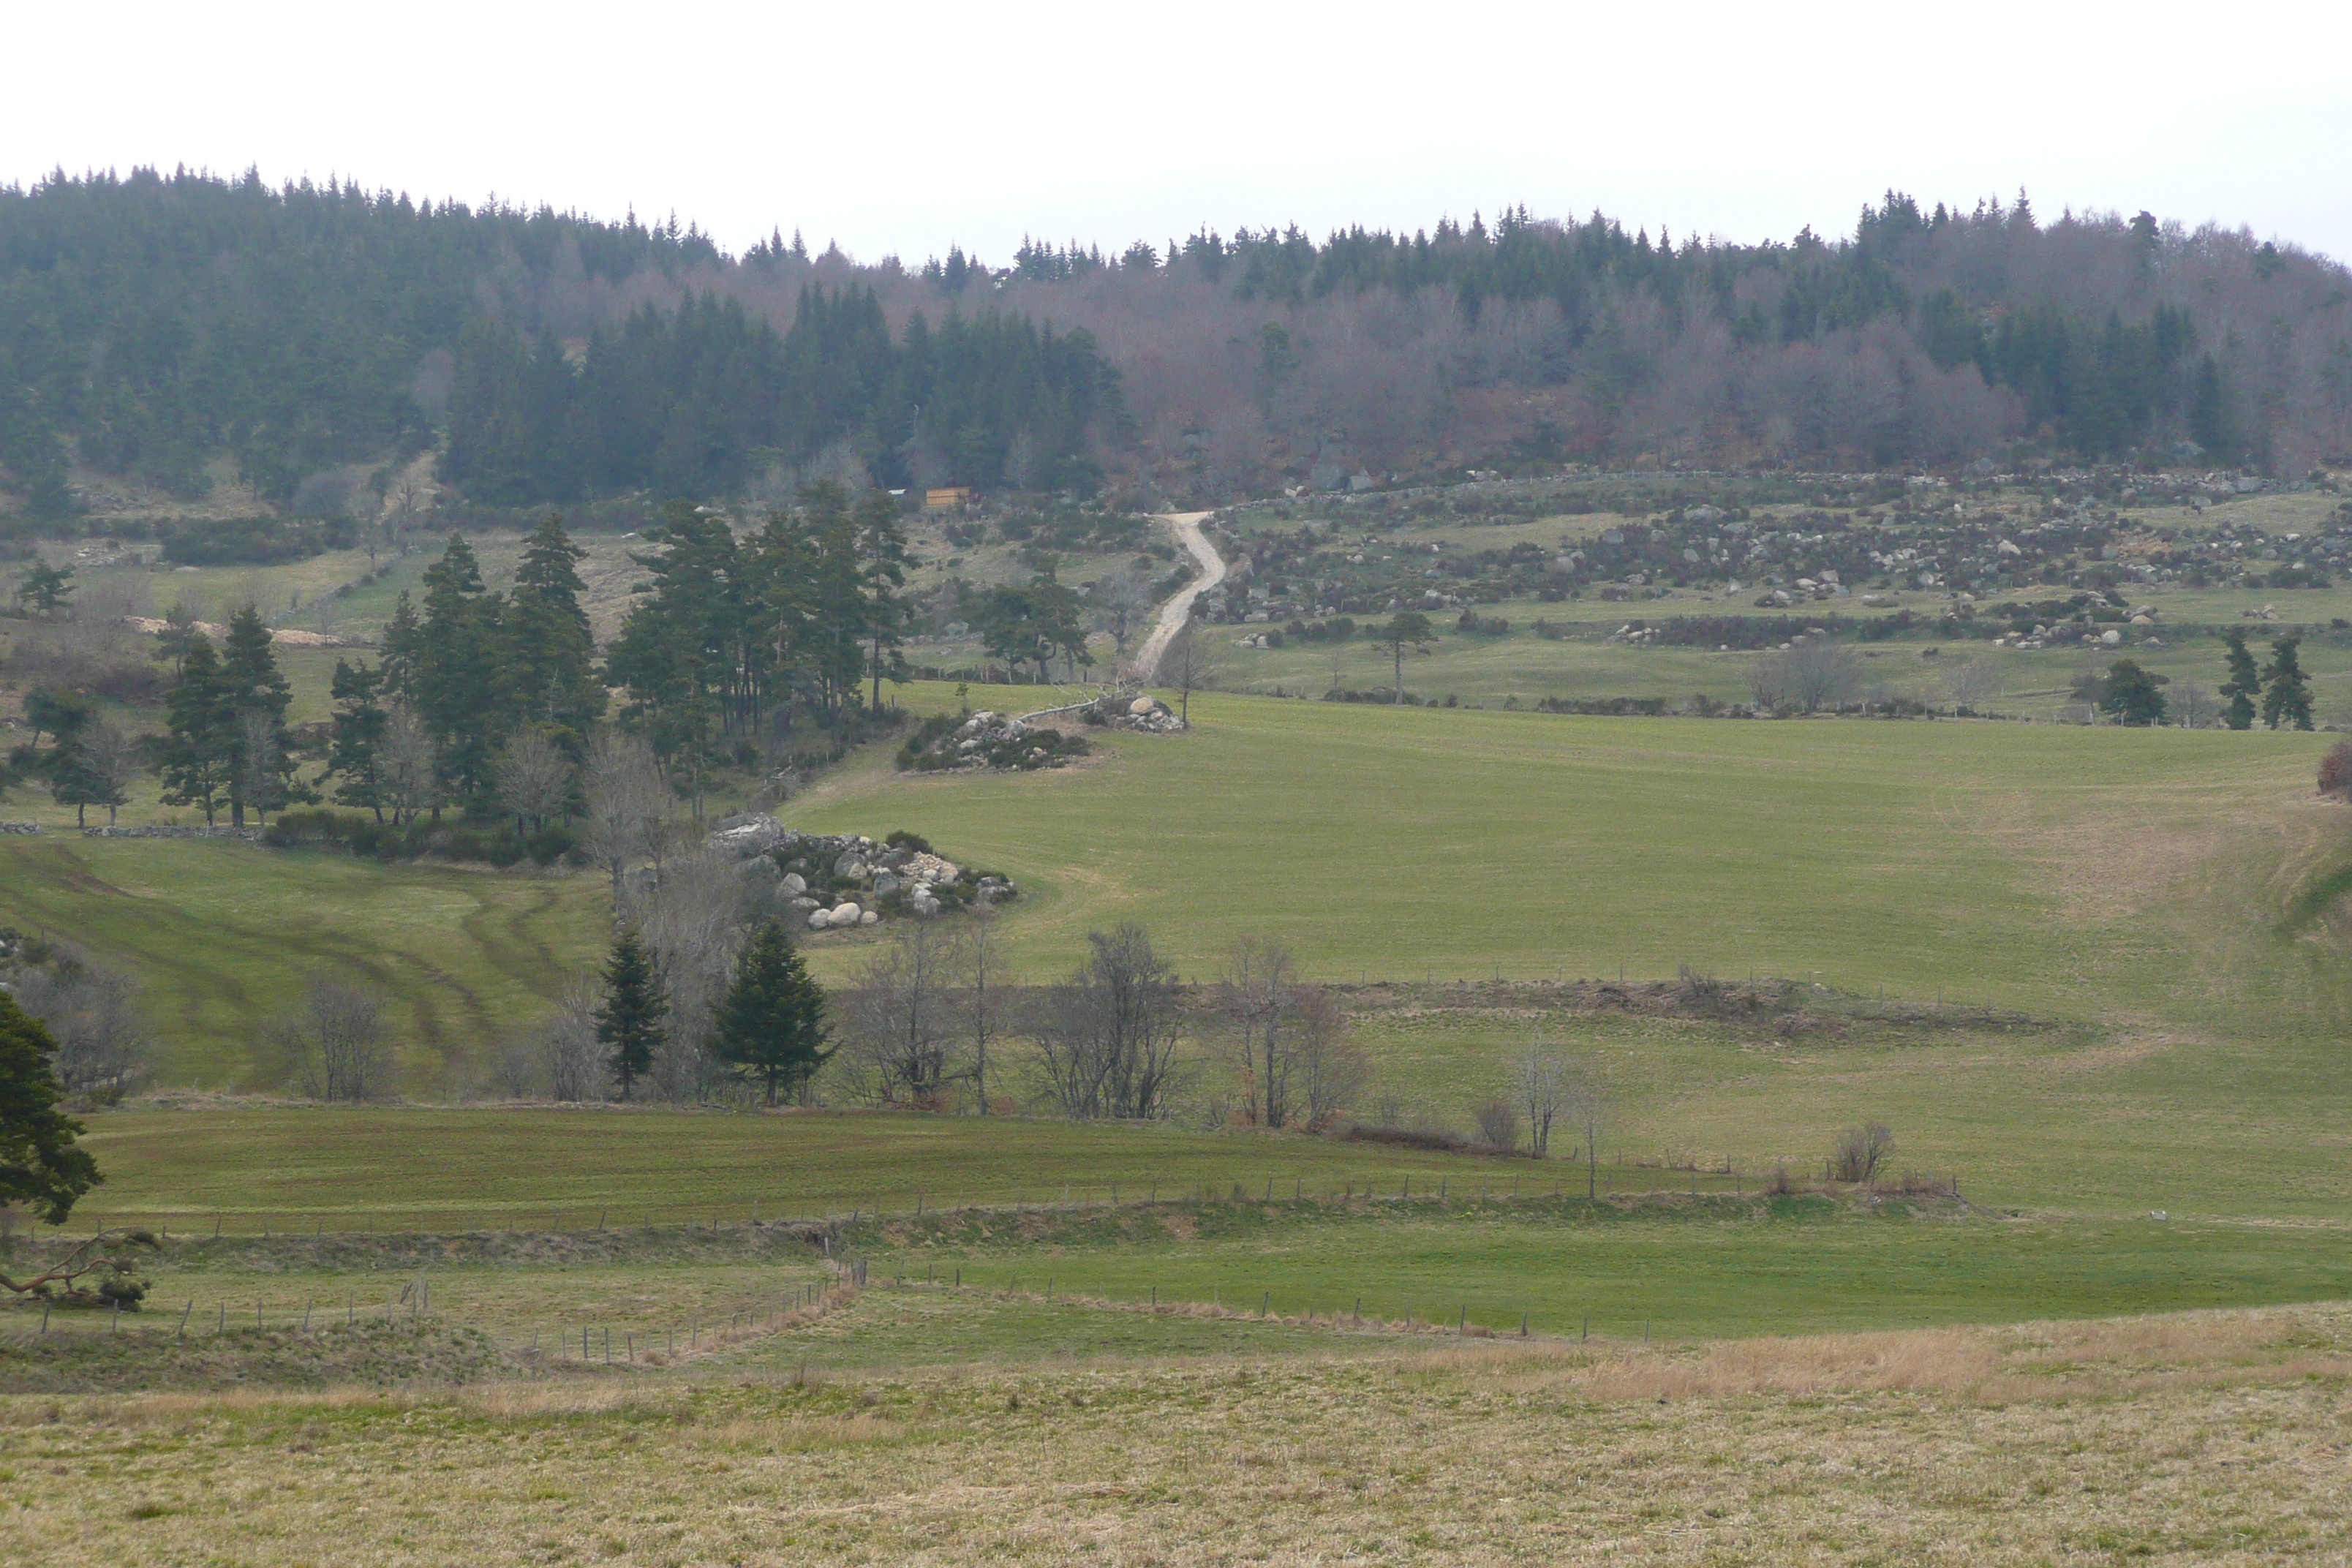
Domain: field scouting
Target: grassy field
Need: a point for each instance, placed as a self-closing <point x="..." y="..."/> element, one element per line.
<point x="222" y="935"/>
<point x="565" y="1170"/>
<point x="2208" y="1438"/>
<point x="2068" y="869"/>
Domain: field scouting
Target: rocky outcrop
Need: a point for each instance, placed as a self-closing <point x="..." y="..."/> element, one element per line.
<point x="841" y="881"/>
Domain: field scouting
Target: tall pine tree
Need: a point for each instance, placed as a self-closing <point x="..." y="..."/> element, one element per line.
<point x="770" y="1023"/>
<point x="261" y="760"/>
<point x="551" y="655"/>
<point x="200" y="744"/>
<point x="2243" y="684"/>
<point x="353" y="750"/>
<point x="629" y="1020"/>
<point x="2286" y="690"/>
<point x="458" y="668"/>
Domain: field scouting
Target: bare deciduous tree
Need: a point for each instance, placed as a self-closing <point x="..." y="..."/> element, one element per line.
<point x="982" y="1016"/>
<point x="1106" y="1038"/>
<point x="1190" y="663"/>
<point x="110" y="759"/>
<point x="2192" y="704"/>
<point x="1331" y="1068"/>
<point x="1121" y="600"/>
<point x="1538" y="1082"/>
<point x="1968" y="681"/>
<point x="1253" y="993"/>
<point x="92" y="1012"/>
<point x="901" y="1019"/>
<point x="336" y="1041"/>
<point x="1809" y="674"/>
<point x="693" y="917"/>
<point x="629" y="804"/>
<point x="534" y="779"/>
<point x="409" y="765"/>
<point x="571" y="1058"/>
<point x="1584" y="1105"/>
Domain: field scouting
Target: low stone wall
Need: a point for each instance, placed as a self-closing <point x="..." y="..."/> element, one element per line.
<point x="19" y="827"/>
<point x="251" y="835"/>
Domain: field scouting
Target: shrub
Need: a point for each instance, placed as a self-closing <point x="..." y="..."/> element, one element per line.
<point x="913" y="843"/>
<point x="2335" y="770"/>
<point x="1778" y="1184"/>
<point x="1861" y="1152"/>
<point x="1498" y="1124"/>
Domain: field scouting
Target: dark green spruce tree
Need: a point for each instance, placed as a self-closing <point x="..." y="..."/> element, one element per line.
<point x="2242" y="685"/>
<point x="354" y="747"/>
<point x="549" y="670"/>
<point x="629" y="1020"/>
<point x="261" y="758"/>
<point x="200" y="740"/>
<point x="458" y="659"/>
<point x="2286" y="690"/>
<point x="39" y="1166"/>
<point x="771" y="1027"/>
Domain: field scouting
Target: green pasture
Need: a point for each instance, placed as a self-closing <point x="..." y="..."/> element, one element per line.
<point x="1713" y="1267"/>
<point x="1521" y="665"/>
<point x="222" y="937"/>
<point x="2085" y="872"/>
<point x="555" y="1169"/>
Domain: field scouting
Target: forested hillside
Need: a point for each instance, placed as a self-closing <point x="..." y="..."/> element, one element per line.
<point x="150" y="324"/>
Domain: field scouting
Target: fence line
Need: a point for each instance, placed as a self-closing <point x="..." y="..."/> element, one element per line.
<point x="1560" y="1179"/>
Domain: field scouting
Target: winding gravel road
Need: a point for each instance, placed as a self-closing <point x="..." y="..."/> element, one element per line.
<point x="1178" y="608"/>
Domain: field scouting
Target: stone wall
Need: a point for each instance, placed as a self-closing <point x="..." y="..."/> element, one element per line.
<point x="19" y="827"/>
<point x="251" y="835"/>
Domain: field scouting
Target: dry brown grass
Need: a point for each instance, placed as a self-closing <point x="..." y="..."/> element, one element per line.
<point x="2210" y="1438"/>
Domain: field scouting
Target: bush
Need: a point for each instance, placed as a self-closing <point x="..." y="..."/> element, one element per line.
<point x="913" y="843"/>
<point x="550" y="843"/>
<point x="1498" y="1124"/>
<point x="1861" y="1152"/>
<point x="253" y="541"/>
<point x="2335" y="770"/>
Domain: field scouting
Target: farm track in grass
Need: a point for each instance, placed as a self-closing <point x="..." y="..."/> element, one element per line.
<point x="223" y="937"/>
<point x="2205" y="1438"/>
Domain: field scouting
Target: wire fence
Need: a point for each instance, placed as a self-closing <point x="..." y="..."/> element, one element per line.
<point x="1619" y="1176"/>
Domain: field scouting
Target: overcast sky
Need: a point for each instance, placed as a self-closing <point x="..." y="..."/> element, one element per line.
<point x="903" y="128"/>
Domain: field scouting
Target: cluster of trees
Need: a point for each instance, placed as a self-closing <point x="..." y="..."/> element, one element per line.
<point x="2280" y="686"/>
<point x="703" y="398"/>
<point x="736" y="638"/>
<point x="157" y="319"/>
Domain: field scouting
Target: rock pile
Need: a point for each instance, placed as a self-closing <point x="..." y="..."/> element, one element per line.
<point x="835" y="881"/>
<point x="1148" y="714"/>
<point x="986" y="740"/>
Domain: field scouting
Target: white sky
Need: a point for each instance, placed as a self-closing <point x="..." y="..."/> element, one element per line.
<point x="903" y="128"/>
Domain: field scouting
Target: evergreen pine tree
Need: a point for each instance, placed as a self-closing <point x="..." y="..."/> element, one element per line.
<point x="261" y="761"/>
<point x="629" y="1020"/>
<point x="2243" y="684"/>
<point x="2286" y="690"/>
<point x="39" y="1166"/>
<point x="360" y="720"/>
<point x="457" y="672"/>
<point x="404" y="650"/>
<point x="200" y="747"/>
<point x="549" y="663"/>
<point x="770" y="1023"/>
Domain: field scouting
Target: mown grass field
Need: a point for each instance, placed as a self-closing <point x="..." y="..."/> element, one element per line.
<point x="222" y="935"/>
<point x="2208" y="1438"/>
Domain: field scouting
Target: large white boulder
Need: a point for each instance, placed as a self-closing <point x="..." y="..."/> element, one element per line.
<point x="845" y="914"/>
<point x="820" y="919"/>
